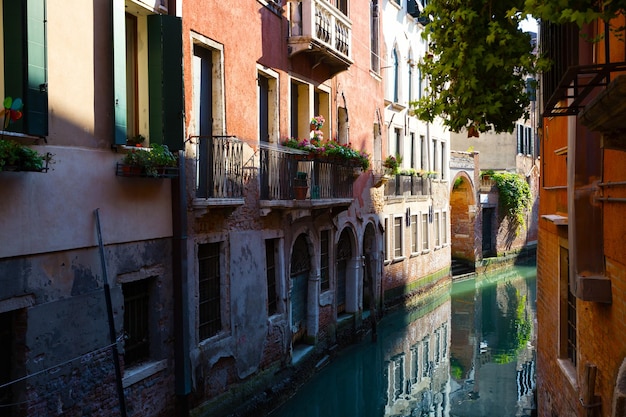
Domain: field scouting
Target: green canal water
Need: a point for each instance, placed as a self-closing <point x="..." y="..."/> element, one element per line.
<point x="464" y="351"/>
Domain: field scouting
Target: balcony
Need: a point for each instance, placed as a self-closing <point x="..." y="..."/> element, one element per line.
<point x="328" y="183"/>
<point x="322" y="31"/>
<point x="219" y="172"/>
<point x="407" y="185"/>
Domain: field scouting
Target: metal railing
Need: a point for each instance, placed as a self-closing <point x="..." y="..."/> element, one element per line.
<point x="400" y="185"/>
<point x="219" y="167"/>
<point x="325" y="179"/>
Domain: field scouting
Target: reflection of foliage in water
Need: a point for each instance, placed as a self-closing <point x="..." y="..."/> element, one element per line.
<point x="456" y="369"/>
<point x="514" y="327"/>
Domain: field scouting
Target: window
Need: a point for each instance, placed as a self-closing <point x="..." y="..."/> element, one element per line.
<point x="524" y="140"/>
<point x="136" y="321"/>
<point x="444" y="227"/>
<point x="397" y="136"/>
<point x="342" y="5"/>
<point x="398" y="377"/>
<point x="414" y="237"/>
<point x="397" y="235"/>
<point x="24" y="51"/>
<point x="442" y="161"/>
<point x="415" y="364"/>
<point x="425" y="243"/>
<point x="268" y="105"/>
<point x="434" y="159"/>
<point x="302" y="112"/>
<point x="413" y="151"/>
<point x="374" y="48"/>
<point x="410" y="77"/>
<point x="568" y="340"/>
<point x="209" y="290"/>
<point x="395" y="63"/>
<point x="270" y="266"/>
<point x="147" y="73"/>
<point x="437" y="230"/>
<point x="424" y="153"/>
<point x="386" y="237"/>
<point x="425" y="358"/>
<point x="325" y="260"/>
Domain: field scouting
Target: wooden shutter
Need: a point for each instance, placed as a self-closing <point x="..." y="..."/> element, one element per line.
<point x="36" y="101"/>
<point x="25" y="62"/>
<point x="165" y="75"/>
<point x="119" y="71"/>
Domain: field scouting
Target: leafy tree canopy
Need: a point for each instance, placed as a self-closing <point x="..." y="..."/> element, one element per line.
<point x="480" y="58"/>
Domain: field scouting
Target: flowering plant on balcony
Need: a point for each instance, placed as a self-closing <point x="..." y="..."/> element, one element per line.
<point x="316" y="128"/>
<point x="330" y="149"/>
<point x="392" y="164"/>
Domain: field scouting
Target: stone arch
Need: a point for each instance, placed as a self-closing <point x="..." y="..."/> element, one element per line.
<point x="463" y="219"/>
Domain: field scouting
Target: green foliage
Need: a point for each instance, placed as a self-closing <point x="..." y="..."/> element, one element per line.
<point x="151" y="159"/>
<point x="392" y="164"/>
<point x="577" y="11"/>
<point x="17" y="157"/>
<point x="477" y="73"/>
<point x="514" y="195"/>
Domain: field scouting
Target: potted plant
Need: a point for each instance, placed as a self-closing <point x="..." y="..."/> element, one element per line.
<point x="392" y="164"/>
<point x="300" y="185"/>
<point x="17" y="157"/>
<point x="152" y="162"/>
<point x="159" y="159"/>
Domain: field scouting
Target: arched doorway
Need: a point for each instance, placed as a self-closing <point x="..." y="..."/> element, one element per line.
<point x="344" y="254"/>
<point x="462" y="223"/>
<point x="300" y="271"/>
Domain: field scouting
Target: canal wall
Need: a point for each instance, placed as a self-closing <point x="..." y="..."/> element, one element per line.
<point x="525" y="255"/>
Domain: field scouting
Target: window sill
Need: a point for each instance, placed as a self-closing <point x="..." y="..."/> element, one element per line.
<point x="142" y="371"/>
<point x="398" y="259"/>
<point x="568" y="369"/>
<point x="425" y="251"/>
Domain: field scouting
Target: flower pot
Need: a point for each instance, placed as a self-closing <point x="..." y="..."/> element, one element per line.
<point x="300" y="192"/>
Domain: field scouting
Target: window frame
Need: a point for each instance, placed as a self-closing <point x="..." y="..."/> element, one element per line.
<point x="219" y="317"/>
<point x="141" y="289"/>
<point x="398" y="237"/>
<point x="28" y="18"/>
<point x="425" y="232"/>
<point x="414" y="231"/>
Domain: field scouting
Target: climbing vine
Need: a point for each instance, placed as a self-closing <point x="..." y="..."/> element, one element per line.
<point x="514" y="195"/>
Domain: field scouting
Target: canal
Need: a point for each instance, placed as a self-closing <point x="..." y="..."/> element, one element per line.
<point x="464" y="351"/>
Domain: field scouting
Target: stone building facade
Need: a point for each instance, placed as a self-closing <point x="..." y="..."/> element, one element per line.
<point x="182" y="292"/>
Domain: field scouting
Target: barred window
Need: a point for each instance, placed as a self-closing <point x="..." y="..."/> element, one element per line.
<point x="136" y="321"/>
<point x="210" y="316"/>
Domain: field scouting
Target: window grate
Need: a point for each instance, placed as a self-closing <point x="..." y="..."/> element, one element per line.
<point x="136" y="321"/>
<point x="210" y="320"/>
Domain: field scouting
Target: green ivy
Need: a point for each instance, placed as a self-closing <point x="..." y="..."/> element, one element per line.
<point x="514" y="195"/>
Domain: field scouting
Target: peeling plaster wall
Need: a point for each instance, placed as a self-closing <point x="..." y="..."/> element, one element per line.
<point x="248" y="299"/>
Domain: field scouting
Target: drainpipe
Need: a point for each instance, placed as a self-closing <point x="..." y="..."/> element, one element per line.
<point x="182" y="366"/>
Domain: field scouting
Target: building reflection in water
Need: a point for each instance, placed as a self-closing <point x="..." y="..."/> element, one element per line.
<point x="463" y="351"/>
<point x="492" y="352"/>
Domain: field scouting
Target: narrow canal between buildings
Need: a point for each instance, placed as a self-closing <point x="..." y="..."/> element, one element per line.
<point x="468" y="350"/>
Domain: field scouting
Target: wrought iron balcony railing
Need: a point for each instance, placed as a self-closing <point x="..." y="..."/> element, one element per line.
<point x="319" y="28"/>
<point x="281" y="171"/>
<point x="219" y="167"/>
<point x="406" y="185"/>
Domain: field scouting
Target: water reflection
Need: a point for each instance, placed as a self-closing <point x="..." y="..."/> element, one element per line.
<point x="492" y="354"/>
<point x="464" y="351"/>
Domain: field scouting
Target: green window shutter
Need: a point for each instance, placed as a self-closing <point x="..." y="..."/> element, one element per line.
<point x="119" y="72"/>
<point x="165" y="76"/>
<point x="36" y="101"/>
<point x="14" y="54"/>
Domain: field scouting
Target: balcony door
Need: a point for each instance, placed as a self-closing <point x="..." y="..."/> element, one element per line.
<point x="203" y="111"/>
